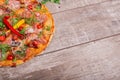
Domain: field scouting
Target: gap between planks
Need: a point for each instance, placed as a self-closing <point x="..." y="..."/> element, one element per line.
<point x="81" y="44"/>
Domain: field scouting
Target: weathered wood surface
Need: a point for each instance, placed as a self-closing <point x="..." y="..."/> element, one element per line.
<point x="86" y="24"/>
<point x="98" y="60"/>
<point x="96" y="23"/>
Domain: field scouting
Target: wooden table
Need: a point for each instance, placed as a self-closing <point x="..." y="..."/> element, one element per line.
<point x="86" y="44"/>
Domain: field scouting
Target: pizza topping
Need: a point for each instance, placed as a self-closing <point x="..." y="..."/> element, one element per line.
<point x="26" y="13"/>
<point x="6" y="2"/>
<point x="22" y="51"/>
<point x="30" y="7"/>
<point x="10" y="57"/>
<point x="23" y="31"/>
<point x="14" y="37"/>
<point x="38" y="7"/>
<point x="1" y="11"/>
<point x="2" y="26"/>
<point x="2" y="38"/>
<point x="14" y="4"/>
<point x="35" y="43"/>
<point x="17" y="25"/>
<point x="4" y="49"/>
<point x="48" y="28"/>
<point x="39" y="26"/>
<point x="10" y="27"/>
<point x="15" y="43"/>
<point x="29" y="30"/>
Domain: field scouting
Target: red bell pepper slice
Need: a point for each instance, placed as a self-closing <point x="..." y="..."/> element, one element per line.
<point x="10" y="26"/>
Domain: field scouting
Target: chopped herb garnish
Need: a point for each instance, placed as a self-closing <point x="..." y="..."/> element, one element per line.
<point x="38" y="7"/>
<point x="22" y="51"/>
<point x="40" y="34"/>
<point x="15" y="20"/>
<point x="4" y="48"/>
<point x="31" y="20"/>
<point x="54" y="1"/>
<point x="3" y="33"/>
<point x="2" y="26"/>
<point x="15" y="59"/>
<point x="48" y="28"/>
<point x="23" y="31"/>
<point x="6" y="1"/>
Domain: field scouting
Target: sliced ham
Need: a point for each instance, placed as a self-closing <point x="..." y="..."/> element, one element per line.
<point x="41" y="17"/>
<point x="1" y="12"/>
<point x="14" y="4"/>
<point x="26" y="14"/>
<point x="31" y="37"/>
<point x="8" y="40"/>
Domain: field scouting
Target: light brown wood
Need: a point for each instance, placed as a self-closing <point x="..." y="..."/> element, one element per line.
<point x="85" y="24"/>
<point x="97" y="60"/>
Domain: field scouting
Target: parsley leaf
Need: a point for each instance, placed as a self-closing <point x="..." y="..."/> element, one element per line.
<point x="23" y="31"/>
<point x="6" y="1"/>
<point x="54" y="1"/>
<point x="38" y="7"/>
<point x="4" y="48"/>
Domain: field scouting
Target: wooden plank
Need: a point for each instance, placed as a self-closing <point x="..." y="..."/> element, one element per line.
<point x="97" y="60"/>
<point x="70" y="4"/>
<point x="85" y="24"/>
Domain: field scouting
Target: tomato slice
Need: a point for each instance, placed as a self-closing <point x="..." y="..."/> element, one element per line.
<point x="10" y="57"/>
<point x="2" y="38"/>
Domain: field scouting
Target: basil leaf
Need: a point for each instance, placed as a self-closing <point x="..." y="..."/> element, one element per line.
<point x="38" y="7"/>
<point x="14" y="21"/>
<point x="48" y="28"/>
<point x="21" y="53"/>
<point x="2" y="26"/>
<point x="6" y="1"/>
<point x="4" y="48"/>
<point x="54" y="1"/>
<point x="23" y="31"/>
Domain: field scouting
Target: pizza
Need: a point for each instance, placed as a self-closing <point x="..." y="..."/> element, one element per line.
<point x="26" y="28"/>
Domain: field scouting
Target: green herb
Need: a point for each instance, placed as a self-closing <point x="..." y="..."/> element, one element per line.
<point x="6" y="1"/>
<point x="3" y="33"/>
<point x="22" y="51"/>
<point x="2" y="26"/>
<point x="15" y="20"/>
<point x="48" y="28"/>
<point x="40" y="34"/>
<point x="23" y="31"/>
<point x="4" y="48"/>
<point x="14" y="60"/>
<point x="54" y="1"/>
<point x="31" y="20"/>
<point x="38" y="7"/>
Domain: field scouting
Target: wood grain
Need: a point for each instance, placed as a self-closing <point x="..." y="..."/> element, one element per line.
<point x="97" y="60"/>
<point x="86" y="24"/>
<point x="68" y="57"/>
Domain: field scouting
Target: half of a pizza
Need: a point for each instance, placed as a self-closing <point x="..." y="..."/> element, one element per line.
<point x="26" y="28"/>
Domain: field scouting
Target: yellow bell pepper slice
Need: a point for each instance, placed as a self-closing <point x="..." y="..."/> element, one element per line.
<point x="16" y="26"/>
